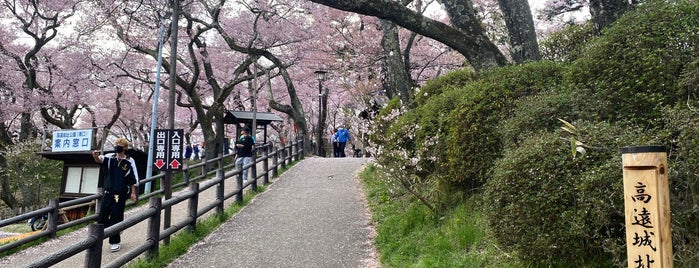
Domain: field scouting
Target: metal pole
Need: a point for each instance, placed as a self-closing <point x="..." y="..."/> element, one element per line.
<point x="154" y="114"/>
<point x="319" y="141"/>
<point x="254" y="102"/>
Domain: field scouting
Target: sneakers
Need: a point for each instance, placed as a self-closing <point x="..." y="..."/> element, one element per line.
<point x="115" y="247"/>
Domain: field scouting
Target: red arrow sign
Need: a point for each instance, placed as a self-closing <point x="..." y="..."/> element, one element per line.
<point x="159" y="163"/>
<point x="175" y="164"/>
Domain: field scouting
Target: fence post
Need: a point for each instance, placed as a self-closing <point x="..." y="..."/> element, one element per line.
<point x="265" y="164"/>
<point x="239" y="182"/>
<point x="220" y="188"/>
<point x="53" y="217"/>
<point x="303" y="152"/>
<point x="647" y="207"/>
<point x="93" y="255"/>
<point x="275" y="161"/>
<point x="295" y="149"/>
<point x="284" y="156"/>
<point x="153" y="228"/>
<point x="185" y="172"/>
<point x="253" y="172"/>
<point x="203" y="168"/>
<point x="193" y="206"/>
<point x="98" y="201"/>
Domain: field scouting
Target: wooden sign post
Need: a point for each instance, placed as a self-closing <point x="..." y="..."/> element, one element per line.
<point x="647" y="207"/>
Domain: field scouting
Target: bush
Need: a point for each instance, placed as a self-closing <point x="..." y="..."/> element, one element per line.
<point x="536" y="113"/>
<point x="453" y="80"/>
<point x="444" y="148"/>
<point x="632" y="70"/>
<point x="683" y="161"/>
<point x="634" y="85"/>
<point x="555" y="209"/>
<point x="566" y="45"/>
<point x="473" y="142"/>
<point x="32" y="179"/>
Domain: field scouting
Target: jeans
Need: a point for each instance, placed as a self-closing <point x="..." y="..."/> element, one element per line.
<point x="341" y="148"/>
<point x="243" y="161"/>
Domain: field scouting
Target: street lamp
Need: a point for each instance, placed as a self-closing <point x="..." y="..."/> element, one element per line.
<point x="320" y="75"/>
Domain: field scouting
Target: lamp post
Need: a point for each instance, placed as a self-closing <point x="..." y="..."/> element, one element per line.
<point x="320" y="75"/>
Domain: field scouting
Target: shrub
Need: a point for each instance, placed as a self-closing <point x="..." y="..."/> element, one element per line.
<point x="32" y="179"/>
<point x="632" y="70"/>
<point x="683" y="162"/>
<point x="566" y="45"/>
<point x="444" y="148"/>
<point x="449" y="81"/>
<point x="536" y="113"/>
<point x="555" y="209"/>
<point x="473" y="142"/>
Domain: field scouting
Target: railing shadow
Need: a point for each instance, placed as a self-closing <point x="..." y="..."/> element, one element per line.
<point x="206" y="178"/>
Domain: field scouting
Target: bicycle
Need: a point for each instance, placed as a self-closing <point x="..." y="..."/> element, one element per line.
<point x="39" y="223"/>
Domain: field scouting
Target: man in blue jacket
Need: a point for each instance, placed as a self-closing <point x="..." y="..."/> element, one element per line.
<point x="343" y="136"/>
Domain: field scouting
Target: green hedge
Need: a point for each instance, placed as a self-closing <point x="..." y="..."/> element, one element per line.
<point x="633" y="69"/>
<point x="634" y="85"/>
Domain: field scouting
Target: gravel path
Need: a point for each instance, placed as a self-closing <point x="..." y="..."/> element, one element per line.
<point x="315" y="216"/>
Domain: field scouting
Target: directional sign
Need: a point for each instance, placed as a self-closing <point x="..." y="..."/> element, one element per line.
<point x="168" y="149"/>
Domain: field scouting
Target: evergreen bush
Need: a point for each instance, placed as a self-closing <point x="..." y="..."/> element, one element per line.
<point x="33" y="180"/>
<point x="632" y="70"/>
<point x="554" y="208"/>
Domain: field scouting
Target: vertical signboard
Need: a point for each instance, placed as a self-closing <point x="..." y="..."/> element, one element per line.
<point x="168" y="151"/>
<point x="647" y="207"/>
<point x="72" y="140"/>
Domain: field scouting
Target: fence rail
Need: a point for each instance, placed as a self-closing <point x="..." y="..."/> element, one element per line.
<point x="208" y="177"/>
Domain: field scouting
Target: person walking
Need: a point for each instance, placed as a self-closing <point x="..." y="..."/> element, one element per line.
<point x="120" y="182"/>
<point x="333" y="141"/>
<point x="188" y="151"/>
<point x="244" y="146"/>
<point x="343" y="137"/>
<point x="195" y="150"/>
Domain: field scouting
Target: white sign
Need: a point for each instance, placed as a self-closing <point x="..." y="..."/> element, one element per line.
<point x="72" y="140"/>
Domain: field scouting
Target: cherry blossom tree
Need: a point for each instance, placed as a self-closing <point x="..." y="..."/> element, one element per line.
<point x="43" y="76"/>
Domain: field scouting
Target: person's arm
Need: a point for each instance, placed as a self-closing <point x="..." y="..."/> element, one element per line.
<point x="249" y="143"/>
<point x="133" y="178"/>
<point x="134" y="196"/>
<point x="98" y="158"/>
<point x="135" y="171"/>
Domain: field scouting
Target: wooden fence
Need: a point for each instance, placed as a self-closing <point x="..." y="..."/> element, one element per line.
<point x="213" y="172"/>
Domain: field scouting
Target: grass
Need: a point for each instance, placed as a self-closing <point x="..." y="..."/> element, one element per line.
<point x="410" y="235"/>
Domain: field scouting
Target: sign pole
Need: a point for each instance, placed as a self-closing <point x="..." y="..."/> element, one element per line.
<point x="647" y="207"/>
<point x="154" y="114"/>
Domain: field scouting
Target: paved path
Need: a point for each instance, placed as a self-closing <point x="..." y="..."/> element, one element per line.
<point x="313" y="215"/>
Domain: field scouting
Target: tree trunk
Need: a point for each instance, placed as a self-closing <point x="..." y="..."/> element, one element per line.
<point x="606" y="12"/>
<point x="6" y="191"/>
<point x="398" y="80"/>
<point x="473" y="43"/>
<point x="520" y="25"/>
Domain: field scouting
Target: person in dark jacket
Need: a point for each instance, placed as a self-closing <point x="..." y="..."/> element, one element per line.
<point x="244" y="146"/>
<point x="120" y="183"/>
